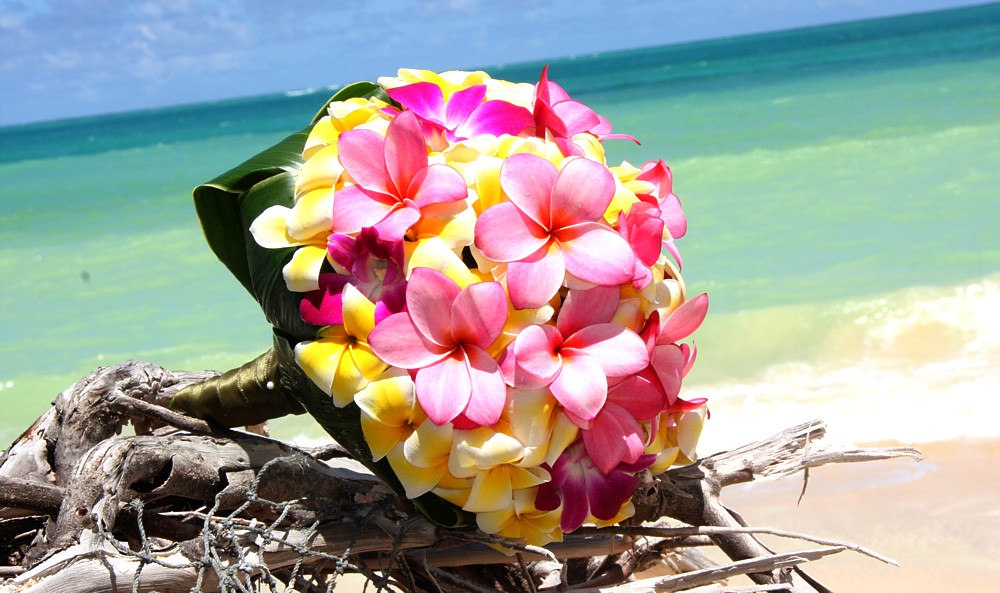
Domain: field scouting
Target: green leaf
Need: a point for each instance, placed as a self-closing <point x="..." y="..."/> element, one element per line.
<point x="218" y="202"/>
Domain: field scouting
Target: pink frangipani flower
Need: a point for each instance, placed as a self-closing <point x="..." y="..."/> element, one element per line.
<point x="562" y="117"/>
<point x="443" y="335"/>
<point x="394" y="185"/>
<point x="658" y="174"/>
<point x="584" y="490"/>
<point x="642" y="227"/>
<point x="553" y="224"/>
<point x="615" y="435"/>
<point x="576" y="368"/>
<point x="669" y="360"/>
<point x="465" y="114"/>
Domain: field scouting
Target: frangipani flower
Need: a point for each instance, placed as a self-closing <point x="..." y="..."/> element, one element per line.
<point x="395" y="427"/>
<point x="491" y="458"/>
<point x="340" y="361"/>
<point x="553" y="225"/>
<point x="394" y="184"/>
<point x="464" y="114"/>
<point x="557" y="114"/>
<point x="443" y="335"/>
<point x="576" y="368"/>
<point x="582" y="490"/>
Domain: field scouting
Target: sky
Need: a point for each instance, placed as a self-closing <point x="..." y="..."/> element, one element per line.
<point x="71" y="58"/>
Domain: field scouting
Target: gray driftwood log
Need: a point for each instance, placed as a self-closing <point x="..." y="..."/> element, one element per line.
<point x="182" y="505"/>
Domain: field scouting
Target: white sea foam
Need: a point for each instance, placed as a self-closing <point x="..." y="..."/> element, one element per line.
<point x="916" y="366"/>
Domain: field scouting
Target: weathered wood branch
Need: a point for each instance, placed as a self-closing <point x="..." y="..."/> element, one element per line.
<point x="185" y="505"/>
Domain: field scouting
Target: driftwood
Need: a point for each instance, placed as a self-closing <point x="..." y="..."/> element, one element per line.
<point x="182" y="505"/>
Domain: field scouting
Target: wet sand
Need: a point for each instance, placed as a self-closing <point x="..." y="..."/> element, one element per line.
<point x="939" y="518"/>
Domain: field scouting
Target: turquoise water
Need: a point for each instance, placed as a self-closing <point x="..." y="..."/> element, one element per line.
<point x="841" y="185"/>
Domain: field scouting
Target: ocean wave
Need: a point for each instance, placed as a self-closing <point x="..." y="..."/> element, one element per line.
<point x="916" y="365"/>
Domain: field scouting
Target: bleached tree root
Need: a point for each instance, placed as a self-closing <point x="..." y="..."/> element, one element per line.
<point x="185" y="506"/>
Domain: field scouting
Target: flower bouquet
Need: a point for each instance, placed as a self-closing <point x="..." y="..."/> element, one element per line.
<point x="468" y="297"/>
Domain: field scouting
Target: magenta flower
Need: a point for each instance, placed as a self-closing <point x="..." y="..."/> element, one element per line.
<point x="584" y="490"/>
<point x="553" y="224"/>
<point x="642" y="227"/>
<point x="576" y="368"/>
<point x="394" y="185"/>
<point x="325" y="305"/>
<point x="443" y="335"/>
<point x="556" y="113"/>
<point x="465" y="114"/>
<point x="668" y="360"/>
<point x="375" y="267"/>
<point x="658" y="174"/>
<point x="615" y="435"/>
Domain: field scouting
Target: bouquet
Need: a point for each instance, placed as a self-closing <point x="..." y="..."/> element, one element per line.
<point x="489" y="310"/>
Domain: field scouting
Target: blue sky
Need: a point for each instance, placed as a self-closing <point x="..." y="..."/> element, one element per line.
<point x="67" y="58"/>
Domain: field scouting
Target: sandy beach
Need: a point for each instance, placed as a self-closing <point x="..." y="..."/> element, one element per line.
<point x="939" y="518"/>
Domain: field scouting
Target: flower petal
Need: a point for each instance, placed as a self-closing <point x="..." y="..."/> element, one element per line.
<point x="430" y="296"/>
<point x="533" y="281"/>
<point x="528" y="181"/>
<point x="311" y="215"/>
<point x="535" y="355"/>
<point x="301" y="273"/>
<point x="609" y="494"/>
<point x="478" y="314"/>
<point x="581" y="308"/>
<point x="397" y="221"/>
<point x="388" y="398"/>
<point x="684" y="320"/>
<point x="491" y="491"/>
<point x="489" y="392"/>
<point x="495" y="118"/>
<point x="359" y="313"/>
<point x="445" y="387"/>
<point x="416" y="481"/>
<point x="405" y="152"/>
<point x="429" y="445"/>
<point x="581" y="193"/>
<point x="504" y="233"/>
<point x="581" y="386"/>
<point x="461" y="105"/>
<point x="436" y="184"/>
<point x="396" y="341"/>
<point x="362" y="152"/>
<point x="324" y="306"/>
<point x="597" y="254"/>
<point x="619" y="351"/>
<point x="423" y="98"/>
<point x="270" y="230"/>
<point x="355" y="208"/>
<point x="319" y="360"/>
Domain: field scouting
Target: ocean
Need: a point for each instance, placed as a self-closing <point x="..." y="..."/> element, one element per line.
<point x="841" y="185"/>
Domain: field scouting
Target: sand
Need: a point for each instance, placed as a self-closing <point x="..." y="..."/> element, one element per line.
<point x="939" y="518"/>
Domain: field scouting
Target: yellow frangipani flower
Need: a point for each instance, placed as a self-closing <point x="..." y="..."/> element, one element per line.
<point x="675" y="436"/>
<point x="340" y="361"/>
<point x="395" y="427"/>
<point x="344" y="115"/>
<point x="307" y="224"/>
<point x="522" y="520"/>
<point x="490" y="458"/>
